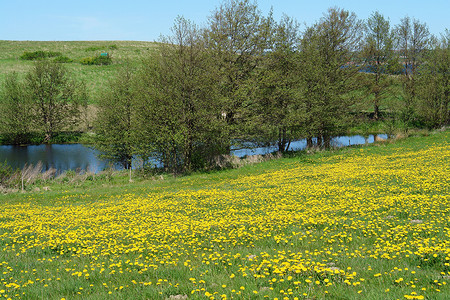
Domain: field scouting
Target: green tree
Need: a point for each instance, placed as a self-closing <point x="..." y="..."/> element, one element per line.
<point x="55" y="96"/>
<point x="380" y="57"/>
<point x="274" y="107"/>
<point x="179" y="117"/>
<point x="115" y="126"/>
<point x="16" y="116"/>
<point x="413" y="40"/>
<point x="237" y="36"/>
<point x="434" y="84"/>
<point x="329" y="53"/>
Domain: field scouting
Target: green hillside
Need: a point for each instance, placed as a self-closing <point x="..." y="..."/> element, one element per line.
<point x="94" y="76"/>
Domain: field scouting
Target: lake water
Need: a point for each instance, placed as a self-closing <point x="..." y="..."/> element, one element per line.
<point x="340" y="141"/>
<point x="79" y="157"/>
<point x="61" y="157"/>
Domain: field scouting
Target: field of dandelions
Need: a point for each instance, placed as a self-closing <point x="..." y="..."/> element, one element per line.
<point x="360" y="223"/>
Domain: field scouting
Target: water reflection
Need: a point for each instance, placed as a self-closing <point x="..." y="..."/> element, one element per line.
<point x="339" y="141"/>
<point x="60" y="157"/>
<point x="79" y="157"/>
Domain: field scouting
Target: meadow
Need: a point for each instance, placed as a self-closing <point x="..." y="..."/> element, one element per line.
<point x="356" y="223"/>
<point x="95" y="77"/>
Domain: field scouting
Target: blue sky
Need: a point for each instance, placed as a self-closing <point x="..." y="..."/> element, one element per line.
<point x="146" y="20"/>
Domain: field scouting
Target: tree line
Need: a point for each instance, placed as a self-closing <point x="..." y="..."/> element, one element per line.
<point x="245" y="77"/>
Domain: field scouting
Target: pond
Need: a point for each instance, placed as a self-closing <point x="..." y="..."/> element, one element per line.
<point x="62" y="157"/>
<point x="340" y="141"/>
<point x="79" y="157"/>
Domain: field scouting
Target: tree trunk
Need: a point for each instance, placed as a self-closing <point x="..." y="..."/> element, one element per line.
<point x="47" y="138"/>
<point x="288" y="144"/>
<point x="283" y="143"/>
<point x="327" y="141"/>
<point x="309" y="142"/>
<point x="376" y="114"/>
<point x="376" y="108"/>
<point x="319" y="141"/>
<point x="130" y="180"/>
<point x="188" y="156"/>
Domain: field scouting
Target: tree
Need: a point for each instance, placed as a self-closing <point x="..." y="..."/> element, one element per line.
<point x="16" y="117"/>
<point x="55" y="97"/>
<point x="237" y="36"/>
<point x="274" y="108"/>
<point x="403" y="35"/>
<point x="380" y="57"/>
<point x="115" y="125"/>
<point x="328" y="59"/>
<point x="179" y="115"/>
<point x="434" y="84"/>
<point x="413" y="39"/>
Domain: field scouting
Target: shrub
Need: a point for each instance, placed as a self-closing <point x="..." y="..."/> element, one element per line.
<point x="63" y="59"/>
<point x="65" y="137"/>
<point x="96" y="60"/>
<point x="113" y="47"/>
<point x="93" y="48"/>
<point x="39" y="55"/>
<point x="37" y="139"/>
<point x="87" y="61"/>
<point x="9" y="138"/>
<point x="103" y="60"/>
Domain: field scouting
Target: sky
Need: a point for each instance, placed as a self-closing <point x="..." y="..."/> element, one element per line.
<point x="140" y="20"/>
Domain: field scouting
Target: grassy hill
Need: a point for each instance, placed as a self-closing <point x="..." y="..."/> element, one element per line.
<point x="121" y="51"/>
<point x="94" y="76"/>
<point x="359" y="223"/>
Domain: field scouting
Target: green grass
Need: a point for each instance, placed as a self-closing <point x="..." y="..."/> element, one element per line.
<point x="95" y="76"/>
<point x="354" y="223"/>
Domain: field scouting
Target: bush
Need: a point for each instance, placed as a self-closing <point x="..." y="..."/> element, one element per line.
<point x="39" y="55"/>
<point x="36" y="139"/>
<point x="66" y="137"/>
<point x="93" y="48"/>
<point x="62" y="59"/>
<point x="17" y="138"/>
<point x="103" y="60"/>
<point x="96" y="60"/>
<point x="87" y="61"/>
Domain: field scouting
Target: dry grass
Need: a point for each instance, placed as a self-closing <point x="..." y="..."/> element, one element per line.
<point x="31" y="173"/>
<point x="234" y="162"/>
